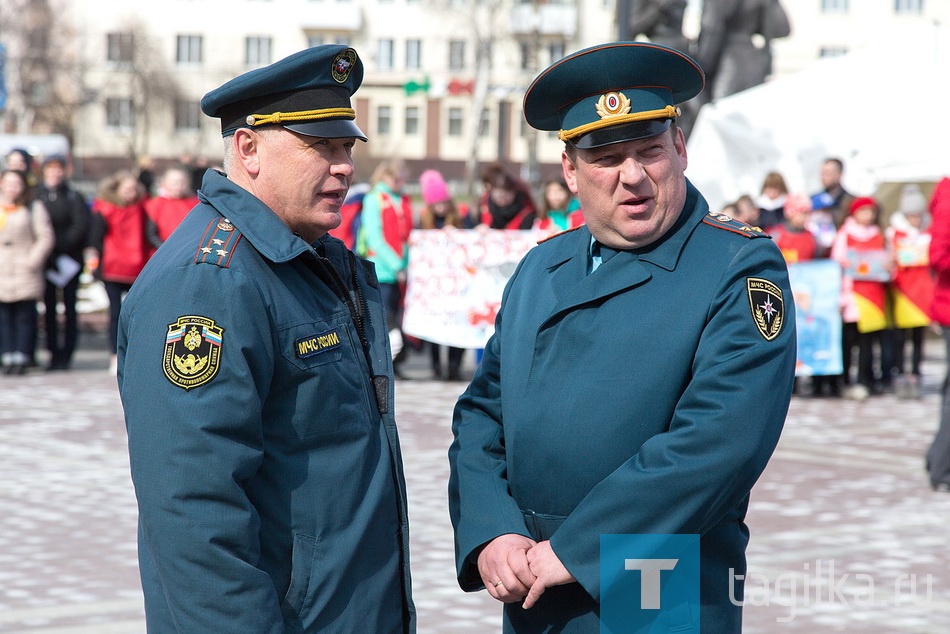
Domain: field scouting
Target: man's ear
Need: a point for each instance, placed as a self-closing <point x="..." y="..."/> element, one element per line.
<point x="679" y="144"/>
<point x="247" y="148"/>
<point x="570" y="172"/>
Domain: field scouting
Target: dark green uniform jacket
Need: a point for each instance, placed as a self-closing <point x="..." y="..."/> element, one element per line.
<point x="270" y="487"/>
<point x="644" y="398"/>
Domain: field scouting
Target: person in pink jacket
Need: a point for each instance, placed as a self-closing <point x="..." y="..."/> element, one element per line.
<point x="938" y="457"/>
<point x="26" y="239"/>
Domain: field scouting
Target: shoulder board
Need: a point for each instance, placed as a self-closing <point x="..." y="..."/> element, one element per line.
<point x="218" y="243"/>
<point x="727" y="223"/>
<point x="560" y="233"/>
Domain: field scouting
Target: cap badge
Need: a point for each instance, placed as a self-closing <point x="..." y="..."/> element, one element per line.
<point x="612" y="104"/>
<point x="342" y="65"/>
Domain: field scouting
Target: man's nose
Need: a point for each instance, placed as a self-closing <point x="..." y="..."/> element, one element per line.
<point x="631" y="171"/>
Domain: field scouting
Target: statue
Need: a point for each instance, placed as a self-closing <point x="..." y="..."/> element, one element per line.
<point x="659" y="20"/>
<point x="732" y="58"/>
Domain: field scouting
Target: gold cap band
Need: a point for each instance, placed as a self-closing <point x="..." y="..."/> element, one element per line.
<point x="669" y="112"/>
<point x="303" y="115"/>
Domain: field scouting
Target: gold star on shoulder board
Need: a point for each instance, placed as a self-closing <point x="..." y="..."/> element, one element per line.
<point x="221" y="252"/>
<point x="206" y="249"/>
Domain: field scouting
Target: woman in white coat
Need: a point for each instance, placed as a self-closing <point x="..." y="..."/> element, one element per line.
<point x="26" y="239"/>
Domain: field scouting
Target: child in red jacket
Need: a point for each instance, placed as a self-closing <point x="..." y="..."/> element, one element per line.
<point x="912" y="289"/>
<point x="796" y="243"/>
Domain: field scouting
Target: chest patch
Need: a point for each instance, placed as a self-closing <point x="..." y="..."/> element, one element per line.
<point x="192" y="351"/>
<point x="767" y="305"/>
<point x="317" y="344"/>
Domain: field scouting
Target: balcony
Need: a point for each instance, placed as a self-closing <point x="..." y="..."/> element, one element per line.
<point x="332" y="15"/>
<point x="544" y="19"/>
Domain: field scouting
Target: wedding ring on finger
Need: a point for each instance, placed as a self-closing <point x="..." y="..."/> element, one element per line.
<point x="497" y="583"/>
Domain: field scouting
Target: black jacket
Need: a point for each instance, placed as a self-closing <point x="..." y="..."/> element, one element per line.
<point x="69" y="214"/>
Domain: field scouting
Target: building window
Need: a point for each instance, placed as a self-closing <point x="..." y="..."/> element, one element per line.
<point x="834" y="6"/>
<point x="257" y="51"/>
<point x="556" y="51"/>
<point x="456" y="54"/>
<point x="911" y="7"/>
<point x="384" y="54"/>
<point x="314" y="40"/>
<point x="525" y="50"/>
<point x="412" y="120"/>
<point x="455" y="122"/>
<point x="343" y="40"/>
<point x="119" y="47"/>
<point x="187" y="116"/>
<point x="384" y="119"/>
<point x="484" y="123"/>
<point x="832" y="51"/>
<point x="413" y="54"/>
<point x="120" y="113"/>
<point x="189" y="49"/>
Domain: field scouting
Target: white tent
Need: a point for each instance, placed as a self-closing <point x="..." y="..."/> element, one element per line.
<point x="884" y="110"/>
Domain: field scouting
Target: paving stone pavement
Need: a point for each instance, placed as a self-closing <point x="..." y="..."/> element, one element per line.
<point x="841" y="517"/>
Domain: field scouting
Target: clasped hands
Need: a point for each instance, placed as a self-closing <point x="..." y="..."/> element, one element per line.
<point x="515" y="567"/>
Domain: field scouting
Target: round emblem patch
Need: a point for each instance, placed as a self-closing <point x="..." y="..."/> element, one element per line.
<point x="612" y="104"/>
<point x="342" y="65"/>
<point x="192" y="351"/>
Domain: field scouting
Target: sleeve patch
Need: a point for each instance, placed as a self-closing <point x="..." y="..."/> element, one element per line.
<point x="767" y="305"/>
<point x="192" y="355"/>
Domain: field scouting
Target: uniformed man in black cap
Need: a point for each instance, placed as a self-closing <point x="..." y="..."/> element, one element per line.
<point x="640" y="371"/>
<point x="256" y="376"/>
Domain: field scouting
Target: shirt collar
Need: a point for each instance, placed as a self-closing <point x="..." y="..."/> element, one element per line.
<point x="664" y="252"/>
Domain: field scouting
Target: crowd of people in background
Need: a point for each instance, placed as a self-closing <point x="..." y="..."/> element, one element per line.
<point x="886" y="301"/>
<point x="133" y="212"/>
<point x="51" y="234"/>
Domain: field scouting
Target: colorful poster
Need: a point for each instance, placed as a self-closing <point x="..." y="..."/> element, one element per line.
<point x="455" y="282"/>
<point x="816" y="287"/>
<point x="869" y="266"/>
<point x="913" y="251"/>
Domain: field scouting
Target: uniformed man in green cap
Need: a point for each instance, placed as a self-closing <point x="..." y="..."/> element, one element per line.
<point x="256" y="377"/>
<point x="641" y="368"/>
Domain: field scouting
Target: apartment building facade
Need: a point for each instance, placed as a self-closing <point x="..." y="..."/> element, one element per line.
<point x="444" y="79"/>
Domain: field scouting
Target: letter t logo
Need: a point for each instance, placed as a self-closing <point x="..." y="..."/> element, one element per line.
<point x="649" y="579"/>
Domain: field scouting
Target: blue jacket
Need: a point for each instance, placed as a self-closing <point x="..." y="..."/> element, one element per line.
<point x="270" y="485"/>
<point x="645" y="398"/>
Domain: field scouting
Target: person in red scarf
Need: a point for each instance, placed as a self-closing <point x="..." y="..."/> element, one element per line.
<point x="175" y="199"/>
<point x="506" y="202"/>
<point x="383" y="239"/>
<point x="864" y="291"/>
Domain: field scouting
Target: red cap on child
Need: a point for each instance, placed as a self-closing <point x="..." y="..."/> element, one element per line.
<point x="861" y="203"/>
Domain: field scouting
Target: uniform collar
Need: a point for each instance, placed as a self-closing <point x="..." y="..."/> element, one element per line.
<point x="666" y="251"/>
<point x="258" y="223"/>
